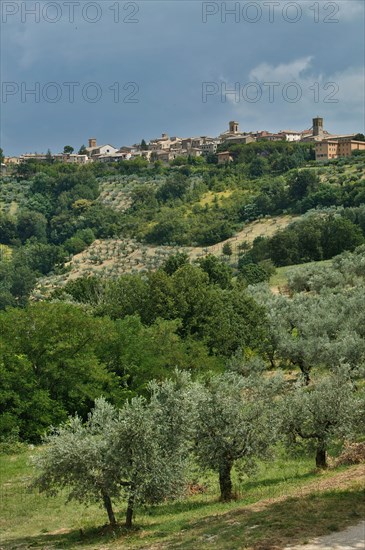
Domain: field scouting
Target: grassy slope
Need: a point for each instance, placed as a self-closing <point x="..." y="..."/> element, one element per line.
<point x="284" y="503"/>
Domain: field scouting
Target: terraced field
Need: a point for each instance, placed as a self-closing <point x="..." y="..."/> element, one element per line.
<point x="115" y="257"/>
<point x="13" y="195"/>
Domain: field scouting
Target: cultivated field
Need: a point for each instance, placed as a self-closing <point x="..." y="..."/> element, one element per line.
<point x="115" y="257"/>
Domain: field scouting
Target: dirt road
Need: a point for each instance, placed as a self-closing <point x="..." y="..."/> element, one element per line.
<point x="353" y="538"/>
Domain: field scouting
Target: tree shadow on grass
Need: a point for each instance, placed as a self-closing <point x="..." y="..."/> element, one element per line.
<point x="182" y="506"/>
<point x="292" y="521"/>
<point x="66" y="539"/>
<point x="257" y="483"/>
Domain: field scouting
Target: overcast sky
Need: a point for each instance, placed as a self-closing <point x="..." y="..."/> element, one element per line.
<point x="123" y="71"/>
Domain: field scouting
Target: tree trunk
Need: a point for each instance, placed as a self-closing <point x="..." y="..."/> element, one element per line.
<point x="305" y="372"/>
<point x="109" y="508"/>
<point x="321" y="457"/>
<point x="306" y="377"/>
<point x="129" y="514"/>
<point x="225" y="481"/>
<point x="271" y="357"/>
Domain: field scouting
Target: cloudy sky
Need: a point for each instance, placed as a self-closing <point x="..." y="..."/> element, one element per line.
<point x="123" y="71"/>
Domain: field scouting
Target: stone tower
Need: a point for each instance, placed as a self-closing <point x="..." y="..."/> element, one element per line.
<point x="92" y="142"/>
<point x="233" y="127"/>
<point x="318" y="126"/>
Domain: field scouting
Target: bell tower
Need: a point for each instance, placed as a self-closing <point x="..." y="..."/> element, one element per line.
<point x="317" y="126"/>
<point x="233" y="127"/>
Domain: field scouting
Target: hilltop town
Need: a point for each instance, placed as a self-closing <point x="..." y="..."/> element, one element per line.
<point x="165" y="148"/>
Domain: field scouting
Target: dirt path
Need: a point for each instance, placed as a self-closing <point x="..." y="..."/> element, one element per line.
<point x="353" y="538"/>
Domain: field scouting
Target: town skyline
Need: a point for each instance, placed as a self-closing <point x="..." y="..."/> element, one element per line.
<point x="168" y="148"/>
<point x="58" y="148"/>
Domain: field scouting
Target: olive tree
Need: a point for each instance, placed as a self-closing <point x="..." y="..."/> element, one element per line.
<point x="321" y="412"/>
<point x="307" y="326"/>
<point x="310" y="330"/>
<point x="77" y="457"/>
<point x="151" y="442"/>
<point x="137" y="454"/>
<point x="236" y="420"/>
<point x="324" y="329"/>
<point x="323" y="323"/>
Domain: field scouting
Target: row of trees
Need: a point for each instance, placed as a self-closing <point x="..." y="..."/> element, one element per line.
<point x="322" y="321"/>
<point x="141" y="452"/>
<point x="345" y="271"/>
<point x="317" y="236"/>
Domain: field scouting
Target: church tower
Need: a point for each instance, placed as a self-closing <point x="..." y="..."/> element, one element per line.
<point x="233" y="127"/>
<point x="317" y="126"/>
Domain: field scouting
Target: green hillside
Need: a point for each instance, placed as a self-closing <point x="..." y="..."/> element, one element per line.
<point x="182" y="351"/>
